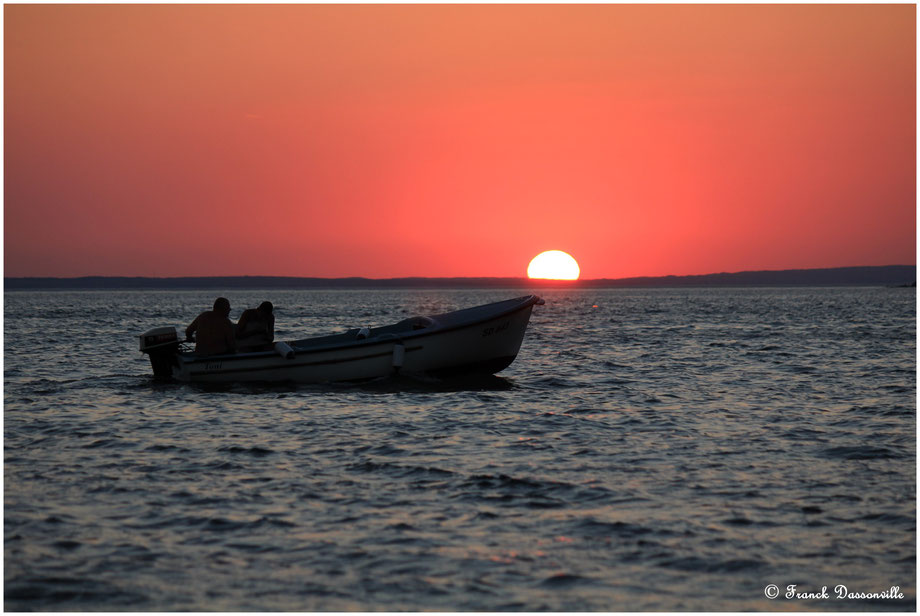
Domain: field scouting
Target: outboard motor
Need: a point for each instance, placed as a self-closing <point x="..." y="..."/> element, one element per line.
<point x="162" y="345"/>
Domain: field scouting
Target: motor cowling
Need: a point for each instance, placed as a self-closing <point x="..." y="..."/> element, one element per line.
<point x="161" y="344"/>
<point x="158" y="337"/>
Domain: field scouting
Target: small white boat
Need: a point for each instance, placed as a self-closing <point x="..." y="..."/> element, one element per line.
<point x="480" y="340"/>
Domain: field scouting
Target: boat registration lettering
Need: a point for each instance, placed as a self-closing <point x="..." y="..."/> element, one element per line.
<point x="213" y="365"/>
<point x="489" y="331"/>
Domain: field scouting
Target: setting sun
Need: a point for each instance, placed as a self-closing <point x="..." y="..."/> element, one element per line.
<point x="553" y="265"/>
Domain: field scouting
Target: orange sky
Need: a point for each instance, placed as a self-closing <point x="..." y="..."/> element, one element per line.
<point x="387" y="141"/>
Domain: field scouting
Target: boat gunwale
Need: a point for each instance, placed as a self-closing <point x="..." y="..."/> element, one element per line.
<point x="190" y="359"/>
<point x="289" y="364"/>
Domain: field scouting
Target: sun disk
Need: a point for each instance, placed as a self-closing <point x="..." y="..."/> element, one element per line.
<point x="553" y="265"/>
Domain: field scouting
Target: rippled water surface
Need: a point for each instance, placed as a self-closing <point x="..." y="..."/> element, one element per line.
<point x="647" y="450"/>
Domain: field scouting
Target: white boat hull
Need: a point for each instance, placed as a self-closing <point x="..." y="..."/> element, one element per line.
<point x="476" y="340"/>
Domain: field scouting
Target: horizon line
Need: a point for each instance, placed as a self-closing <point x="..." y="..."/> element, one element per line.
<point x="553" y="280"/>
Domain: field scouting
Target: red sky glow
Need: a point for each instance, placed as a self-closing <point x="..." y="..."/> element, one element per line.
<point x="441" y="140"/>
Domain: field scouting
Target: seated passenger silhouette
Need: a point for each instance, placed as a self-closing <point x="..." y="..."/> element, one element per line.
<point x="213" y="330"/>
<point x="255" y="330"/>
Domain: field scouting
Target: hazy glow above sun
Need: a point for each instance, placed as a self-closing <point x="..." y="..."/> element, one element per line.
<point x="553" y="265"/>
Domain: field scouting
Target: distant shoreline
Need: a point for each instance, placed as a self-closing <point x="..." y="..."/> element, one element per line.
<point x="888" y="275"/>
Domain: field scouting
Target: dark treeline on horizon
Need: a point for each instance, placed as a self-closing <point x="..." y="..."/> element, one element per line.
<point x="840" y="276"/>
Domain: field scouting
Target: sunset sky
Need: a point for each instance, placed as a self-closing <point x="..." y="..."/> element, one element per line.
<point x="434" y="140"/>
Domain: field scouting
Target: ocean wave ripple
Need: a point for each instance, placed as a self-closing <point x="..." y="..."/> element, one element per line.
<point x="665" y="450"/>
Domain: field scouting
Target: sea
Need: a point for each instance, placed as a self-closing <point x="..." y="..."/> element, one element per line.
<point x="722" y="449"/>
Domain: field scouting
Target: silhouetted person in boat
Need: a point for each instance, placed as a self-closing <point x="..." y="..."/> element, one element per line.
<point x="255" y="330"/>
<point x="213" y="329"/>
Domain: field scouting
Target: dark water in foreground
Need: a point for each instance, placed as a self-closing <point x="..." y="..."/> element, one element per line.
<point x="648" y="450"/>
